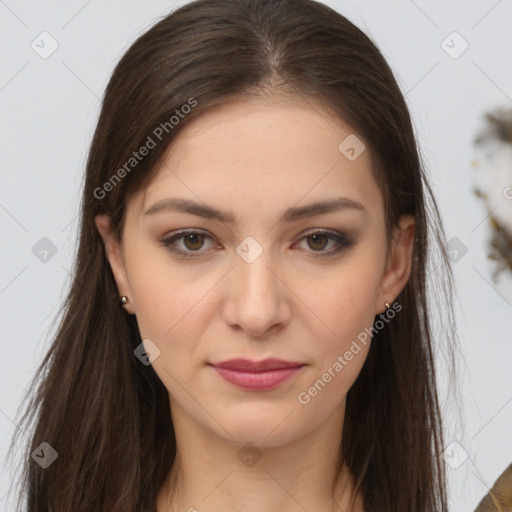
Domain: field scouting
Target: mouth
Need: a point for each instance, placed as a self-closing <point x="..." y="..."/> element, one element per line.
<point x="248" y="365"/>
<point x="257" y="375"/>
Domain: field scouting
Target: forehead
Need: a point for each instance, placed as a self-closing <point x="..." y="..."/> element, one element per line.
<point x="259" y="154"/>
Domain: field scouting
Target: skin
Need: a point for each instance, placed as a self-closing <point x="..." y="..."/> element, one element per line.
<point x="256" y="158"/>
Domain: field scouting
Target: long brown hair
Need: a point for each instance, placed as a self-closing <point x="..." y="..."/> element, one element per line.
<point x="106" y="414"/>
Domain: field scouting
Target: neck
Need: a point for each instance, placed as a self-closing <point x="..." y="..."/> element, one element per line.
<point x="212" y="473"/>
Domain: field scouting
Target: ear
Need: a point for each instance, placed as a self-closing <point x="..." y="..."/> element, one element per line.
<point x="399" y="264"/>
<point x="114" y="252"/>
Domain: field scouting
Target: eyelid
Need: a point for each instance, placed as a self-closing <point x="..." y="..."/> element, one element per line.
<point x="167" y="241"/>
<point x="342" y="240"/>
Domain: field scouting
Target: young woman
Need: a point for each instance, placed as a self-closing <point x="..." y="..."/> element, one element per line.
<point x="248" y="327"/>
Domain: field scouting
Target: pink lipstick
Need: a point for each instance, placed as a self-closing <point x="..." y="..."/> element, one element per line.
<point x="257" y="375"/>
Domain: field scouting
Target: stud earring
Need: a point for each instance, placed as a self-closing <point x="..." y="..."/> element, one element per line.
<point x="124" y="300"/>
<point x="387" y="305"/>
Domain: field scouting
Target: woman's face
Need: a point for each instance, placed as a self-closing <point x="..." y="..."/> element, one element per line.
<point x="266" y="280"/>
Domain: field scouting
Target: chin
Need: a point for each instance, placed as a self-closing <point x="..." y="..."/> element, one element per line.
<point x="263" y="437"/>
<point x="260" y="430"/>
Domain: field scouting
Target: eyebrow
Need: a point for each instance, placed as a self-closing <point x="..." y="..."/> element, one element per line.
<point x="172" y="204"/>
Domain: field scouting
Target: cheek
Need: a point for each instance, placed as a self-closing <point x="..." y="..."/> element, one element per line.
<point x="173" y="303"/>
<point x="167" y="310"/>
<point x="347" y="302"/>
<point x="150" y="286"/>
<point x="347" y="307"/>
<point x="172" y="317"/>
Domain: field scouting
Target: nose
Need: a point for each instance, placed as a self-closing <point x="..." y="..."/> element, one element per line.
<point x="258" y="298"/>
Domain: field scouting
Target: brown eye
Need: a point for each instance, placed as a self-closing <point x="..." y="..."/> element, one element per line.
<point x="319" y="241"/>
<point x="192" y="243"/>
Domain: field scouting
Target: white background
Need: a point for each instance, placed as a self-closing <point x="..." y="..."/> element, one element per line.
<point x="48" y="112"/>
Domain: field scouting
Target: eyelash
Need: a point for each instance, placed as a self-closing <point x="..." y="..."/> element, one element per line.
<point x="342" y="240"/>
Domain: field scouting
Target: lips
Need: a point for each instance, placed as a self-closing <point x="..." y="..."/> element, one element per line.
<point x="257" y="375"/>
<point x="249" y="366"/>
